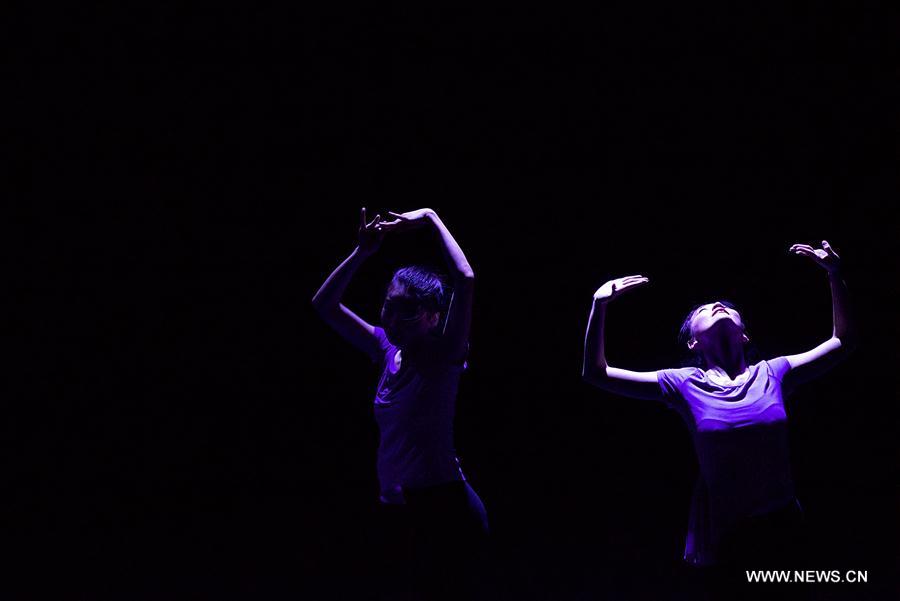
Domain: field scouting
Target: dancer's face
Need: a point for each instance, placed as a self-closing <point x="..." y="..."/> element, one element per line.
<point x="403" y="317"/>
<point x="716" y="320"/>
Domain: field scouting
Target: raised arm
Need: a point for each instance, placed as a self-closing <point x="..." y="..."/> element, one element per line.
<point x="843" y="335"/>
<point x="327" y="300"/>
<point x="596" y="370"/>
<point x="455" y="337"/>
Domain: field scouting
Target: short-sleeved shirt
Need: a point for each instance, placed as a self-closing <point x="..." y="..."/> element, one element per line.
<point x="740" y="436"/>
<point x="414" y="409"/>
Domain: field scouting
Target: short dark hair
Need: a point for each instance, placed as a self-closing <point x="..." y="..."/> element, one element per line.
<point x="424" y="284"/>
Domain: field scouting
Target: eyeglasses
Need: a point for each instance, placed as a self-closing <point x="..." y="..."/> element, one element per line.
<point x="405" y="309"/>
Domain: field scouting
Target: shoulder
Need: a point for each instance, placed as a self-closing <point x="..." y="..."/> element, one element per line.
<point x="384" y="345"/>
<point x="777" y="367"/>
<point x="671" y="381"/>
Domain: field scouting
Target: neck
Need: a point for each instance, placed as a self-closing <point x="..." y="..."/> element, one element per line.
<point x="727" y="357"/>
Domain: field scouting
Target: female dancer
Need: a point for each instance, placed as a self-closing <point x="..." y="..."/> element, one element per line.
<point x="421" y="347"/>
<point x="744" y="500"/>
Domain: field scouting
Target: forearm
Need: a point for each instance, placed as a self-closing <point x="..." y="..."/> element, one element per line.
<point x="844" y="327"/>
<point x="329" y="295"/>
<point x="594" y="342"/>
<point x="456" y="259"/>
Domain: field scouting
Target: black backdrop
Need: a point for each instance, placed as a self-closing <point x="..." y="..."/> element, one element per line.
<point x="186" y="428"/>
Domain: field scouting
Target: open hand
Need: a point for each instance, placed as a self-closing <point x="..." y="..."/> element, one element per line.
<point x="825" y="257"/>
<point x="613" y="288"/>
<point x="370" y="234"/>
<point x="408" y="220"/>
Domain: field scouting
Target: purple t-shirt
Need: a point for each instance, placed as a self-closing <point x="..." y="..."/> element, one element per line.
<point x="414" y="408"/>
<point x="740" y="436"/>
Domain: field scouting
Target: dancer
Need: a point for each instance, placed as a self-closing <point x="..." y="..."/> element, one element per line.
<point x="421" y="347"/>
<point x="743" y="508"/>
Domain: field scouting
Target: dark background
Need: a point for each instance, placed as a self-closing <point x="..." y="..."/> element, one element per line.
<point x="179" y="425"/>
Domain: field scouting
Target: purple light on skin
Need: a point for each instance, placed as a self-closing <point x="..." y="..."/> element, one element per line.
<point x="412" y="306"/>
<point x="428" y="381"/>
<point x="734" y="411"/>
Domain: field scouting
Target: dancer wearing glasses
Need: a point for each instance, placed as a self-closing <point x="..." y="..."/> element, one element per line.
<point x="421" y="347"/>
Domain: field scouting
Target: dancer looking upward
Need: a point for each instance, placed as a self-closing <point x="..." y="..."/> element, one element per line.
<point x="744" y="503"/>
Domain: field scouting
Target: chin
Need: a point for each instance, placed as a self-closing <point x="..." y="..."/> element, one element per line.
<point x="724" y="324"/>
<point x="726" y="317"/>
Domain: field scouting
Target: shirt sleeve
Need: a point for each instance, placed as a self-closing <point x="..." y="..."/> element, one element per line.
<point x="384" y="345"/>
<point x="779" y="367"/>
<point x="671" y="384"/>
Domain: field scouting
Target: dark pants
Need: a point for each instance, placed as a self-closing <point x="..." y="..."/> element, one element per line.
<point x="774" y="541"/>
<point x="436" y="545"/>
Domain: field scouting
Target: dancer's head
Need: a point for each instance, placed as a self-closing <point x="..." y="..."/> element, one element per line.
<point x="713" y="325"/>
<point x="413" y="305"/>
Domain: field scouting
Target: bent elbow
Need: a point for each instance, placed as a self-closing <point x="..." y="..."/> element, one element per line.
<point x="594" y="376"/>
<point x="321" y="306"/>
<point x="849" y="342"/>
